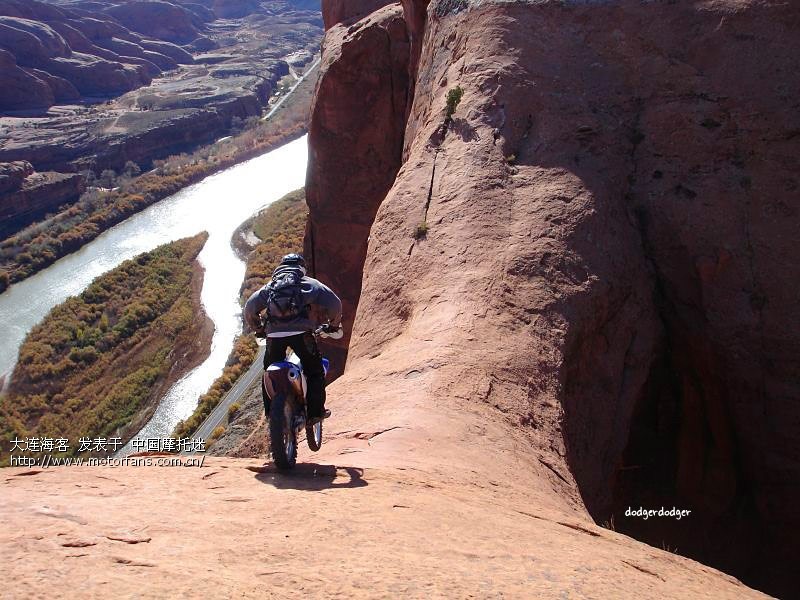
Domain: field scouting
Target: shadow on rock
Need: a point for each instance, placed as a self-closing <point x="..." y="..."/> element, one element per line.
<point x="310" y="477"/>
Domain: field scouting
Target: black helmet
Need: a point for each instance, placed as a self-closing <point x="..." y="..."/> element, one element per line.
<point x="294" y="260"/>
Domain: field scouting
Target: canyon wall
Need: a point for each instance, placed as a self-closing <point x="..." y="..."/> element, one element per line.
<point x="597" y="250"/>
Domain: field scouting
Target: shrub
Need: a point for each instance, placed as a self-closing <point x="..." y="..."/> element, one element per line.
<point x="453" y="100"/>
<point x="280" y="227"/>
<point x="233" y="409"/>
<point x="421" y="231"/>
<point x="219" y="430"/>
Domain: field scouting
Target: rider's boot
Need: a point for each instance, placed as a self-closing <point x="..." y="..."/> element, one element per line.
<point x="325" y="414"/>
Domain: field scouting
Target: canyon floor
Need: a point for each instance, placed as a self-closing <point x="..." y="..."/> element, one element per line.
<point x="402" y="500"/>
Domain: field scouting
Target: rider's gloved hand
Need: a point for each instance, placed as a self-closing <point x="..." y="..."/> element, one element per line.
<point x="333" y="332"/>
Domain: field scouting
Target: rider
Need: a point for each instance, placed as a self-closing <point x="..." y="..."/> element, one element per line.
<point x="316" y="304"/>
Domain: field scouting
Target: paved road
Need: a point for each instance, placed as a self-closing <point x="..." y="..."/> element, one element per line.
<point x="219" y="415"/>
<point x="292" y="89"/>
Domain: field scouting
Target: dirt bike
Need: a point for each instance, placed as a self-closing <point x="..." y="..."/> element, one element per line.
<point x="285" y="384"/>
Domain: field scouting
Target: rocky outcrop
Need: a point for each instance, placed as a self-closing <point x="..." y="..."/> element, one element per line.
<point x="593" y="250"/>
<point x="13" y="174"/>
<point x="172" y="51"/>
<point x="66" y="63"/>
<point x="343" y="11"/>
<point x="355" y="141"/>
<point x="34" y="196"/>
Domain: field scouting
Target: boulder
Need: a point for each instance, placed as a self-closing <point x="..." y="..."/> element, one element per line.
<point x="93" y="76"/>
<point x="31" y="9"/>
<point x="63" y="90"/>
<point x="51" y="44"/>
<point x="27" y="49"/>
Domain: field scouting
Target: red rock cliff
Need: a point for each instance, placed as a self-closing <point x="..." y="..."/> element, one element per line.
<point x="600" y="247"/>
<point x="356" y="140"/>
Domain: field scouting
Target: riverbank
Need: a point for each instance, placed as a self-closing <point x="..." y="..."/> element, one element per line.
<point x="201" y="207"/>
<point x="98" y="364"/>
<point x="40" y="245"/>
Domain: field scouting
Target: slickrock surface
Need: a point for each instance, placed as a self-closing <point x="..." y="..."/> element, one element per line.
<point x="351" y="527"/>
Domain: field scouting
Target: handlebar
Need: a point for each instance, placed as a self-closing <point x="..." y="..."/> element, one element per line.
<point x="327" y="330"/>
<point x="324" y="330"/>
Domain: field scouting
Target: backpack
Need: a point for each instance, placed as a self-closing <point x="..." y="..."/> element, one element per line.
<point x="284" y="296"/>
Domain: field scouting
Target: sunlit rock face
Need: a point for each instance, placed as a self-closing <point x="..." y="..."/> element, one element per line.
<point x="600" y="243"/>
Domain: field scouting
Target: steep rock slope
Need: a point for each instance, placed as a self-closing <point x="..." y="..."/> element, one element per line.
<point x="605" y="263"/>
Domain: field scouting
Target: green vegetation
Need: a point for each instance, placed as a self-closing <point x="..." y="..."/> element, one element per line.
<point x="421" y="231"/>
<point x="97" y="359"/>
<point x="219" y="430"/>
<point x="280" y="227"/>
<point x="453" y="100"/>
<point x="41" y="244"/>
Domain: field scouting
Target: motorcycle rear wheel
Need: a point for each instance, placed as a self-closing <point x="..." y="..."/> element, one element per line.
<point x="282" y="438"/>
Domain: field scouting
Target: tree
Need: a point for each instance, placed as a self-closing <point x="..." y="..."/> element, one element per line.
<point x="131" y="169"/>
<point x="453" y="99"/>
<point x="107" y="179"/>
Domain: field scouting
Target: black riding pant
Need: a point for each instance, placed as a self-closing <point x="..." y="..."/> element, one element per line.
<point x="305" y="346"/>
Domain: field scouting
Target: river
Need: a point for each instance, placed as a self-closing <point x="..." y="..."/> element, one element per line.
<point x="218" y="205"/>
